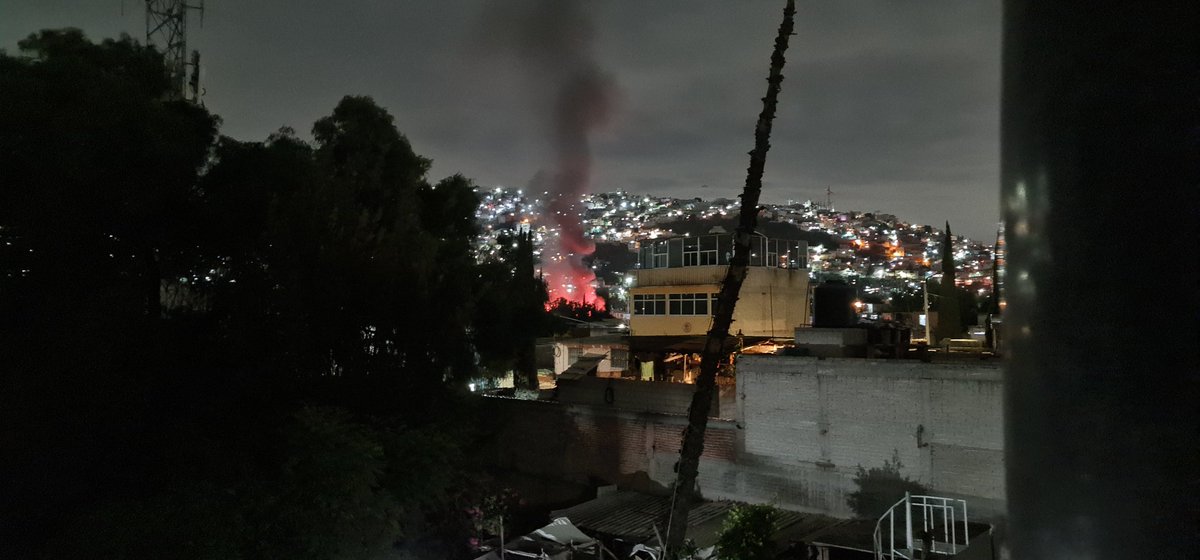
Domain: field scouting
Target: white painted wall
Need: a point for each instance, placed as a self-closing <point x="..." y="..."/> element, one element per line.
<point x="819" y="420"/>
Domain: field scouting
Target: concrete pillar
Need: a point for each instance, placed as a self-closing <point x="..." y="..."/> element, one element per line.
<point x="1100" y="173"/>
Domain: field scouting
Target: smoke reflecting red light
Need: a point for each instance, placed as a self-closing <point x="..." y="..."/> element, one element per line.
<point x="553" y="40"/>
<point x="570" y="279"/>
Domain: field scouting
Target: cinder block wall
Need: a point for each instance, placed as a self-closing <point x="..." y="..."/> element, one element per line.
<point x="802" y="428"/>
<point x="819" y="420"/>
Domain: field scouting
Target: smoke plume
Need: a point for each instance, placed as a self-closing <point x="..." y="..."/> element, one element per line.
<point x="552" y="41"/>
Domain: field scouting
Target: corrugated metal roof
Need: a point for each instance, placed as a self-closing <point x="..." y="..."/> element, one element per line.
<point x="586" y="365"/>
<point x="631" y="516"/>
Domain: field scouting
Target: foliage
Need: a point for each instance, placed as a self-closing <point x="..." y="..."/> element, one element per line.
<point x="914" y="302"/>
<point x="879" y="488"/>
<point x="333" y="487"/>
<point x="747" y="533"/>
<point x="510" y="310"/>
<point x="286" y="410"/>
<point x="611" y="261"/>
<point x="950" y="325"/>
<point x="91" y="182"/>
<point x="578" y="311"/>
<point x="492" y="516"/>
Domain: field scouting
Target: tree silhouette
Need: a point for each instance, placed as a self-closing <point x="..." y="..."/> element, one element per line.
<point x="950" y="322"/>
<point x="331" y="274"/>
<point x="510" y="311"/>
<point x="715" y="345"/>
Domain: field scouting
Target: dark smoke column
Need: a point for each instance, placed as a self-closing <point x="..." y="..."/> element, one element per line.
<point x="583" y="104"/>
<point x="553" y="40"/>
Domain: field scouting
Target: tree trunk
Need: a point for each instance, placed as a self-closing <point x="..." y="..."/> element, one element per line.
<point x="151" y="284"/>
<point x="714" y="347"/>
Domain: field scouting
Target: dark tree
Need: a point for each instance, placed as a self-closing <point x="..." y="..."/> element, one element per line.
<point x="966" y="301"/>
<point x="715" y="346"/>
<point x="748" y="533"/>
<point x="950" y="323"/>
<point x="96" y="198"/>
<point x="136" y="421"/>
<point x="575" y="312"/>
<point x="510" y="311"/>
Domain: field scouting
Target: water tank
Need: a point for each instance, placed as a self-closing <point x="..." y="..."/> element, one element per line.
<point x="833" y="305"/>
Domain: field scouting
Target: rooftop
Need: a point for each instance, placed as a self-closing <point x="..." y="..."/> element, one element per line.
<point x="716" y="249"/>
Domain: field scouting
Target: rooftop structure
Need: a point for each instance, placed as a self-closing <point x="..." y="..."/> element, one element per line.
<point x="717" y="249"/>
<point x="678" y="280"/>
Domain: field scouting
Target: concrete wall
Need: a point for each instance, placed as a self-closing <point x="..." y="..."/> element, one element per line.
<point x="820" y="420"/>
<point x="629" y="394"/>
<point x="802" y="428"/>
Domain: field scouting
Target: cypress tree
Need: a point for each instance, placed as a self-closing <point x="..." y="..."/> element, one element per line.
<point x="949" y="312"/>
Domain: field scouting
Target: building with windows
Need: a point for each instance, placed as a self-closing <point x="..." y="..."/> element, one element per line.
<point x="612" y="351"/>
<point x="676" y="286"/>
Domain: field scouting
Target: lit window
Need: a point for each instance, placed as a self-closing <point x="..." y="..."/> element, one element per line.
<point x="689" y="304"/>
<point x="660" y="254"/>
<point x="650" y="304"/>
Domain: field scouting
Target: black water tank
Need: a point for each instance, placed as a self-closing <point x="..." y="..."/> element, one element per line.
<point x="833" y="305"/>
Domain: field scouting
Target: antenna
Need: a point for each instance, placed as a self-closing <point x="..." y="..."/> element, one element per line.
<point x="828" y="198"/>
<point x="166" y="27"/>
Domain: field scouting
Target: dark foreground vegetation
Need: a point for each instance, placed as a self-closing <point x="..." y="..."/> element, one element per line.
<point x="215" y="348"/>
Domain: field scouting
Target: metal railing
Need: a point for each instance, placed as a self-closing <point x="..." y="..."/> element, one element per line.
<point x="936" y="515"/>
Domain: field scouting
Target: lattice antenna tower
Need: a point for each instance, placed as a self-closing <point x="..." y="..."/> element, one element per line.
<point x="166" y="27"/>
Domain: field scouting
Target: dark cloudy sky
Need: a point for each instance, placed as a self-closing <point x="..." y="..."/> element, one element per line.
<point x="892" y="104"/>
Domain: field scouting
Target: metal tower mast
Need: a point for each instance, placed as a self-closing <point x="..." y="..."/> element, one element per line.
<point x="166" y="26"/>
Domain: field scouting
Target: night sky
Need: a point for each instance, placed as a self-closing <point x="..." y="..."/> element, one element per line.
<point x="894" y="105"/>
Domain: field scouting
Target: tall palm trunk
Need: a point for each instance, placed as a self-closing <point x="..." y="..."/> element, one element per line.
<point x="714" y="348"/>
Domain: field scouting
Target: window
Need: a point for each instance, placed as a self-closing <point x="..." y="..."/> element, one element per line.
<point x="619" y="359"/>
<point x="660" y="254"/>
<point x="689" y="304"/>
<point x="708" y="250"/>
<point x="650" y="304"/>
<point x="573" y="354"/>
<point x="772" y="246"/>
<point x="691" y="252"/>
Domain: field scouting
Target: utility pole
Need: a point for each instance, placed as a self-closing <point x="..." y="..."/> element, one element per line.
<point x="166" y="27"/>
<point x="925" y="285"/>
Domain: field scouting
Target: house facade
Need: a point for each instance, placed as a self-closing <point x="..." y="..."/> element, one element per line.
<point x="678" y="279"/>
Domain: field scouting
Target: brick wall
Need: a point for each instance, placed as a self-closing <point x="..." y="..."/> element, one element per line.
<point x="630" y="394"/>
<point x="582" y="443"/>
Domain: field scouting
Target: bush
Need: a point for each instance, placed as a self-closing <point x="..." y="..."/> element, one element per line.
<point x="879" y="488"/>
<point x="747" y="532"/>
